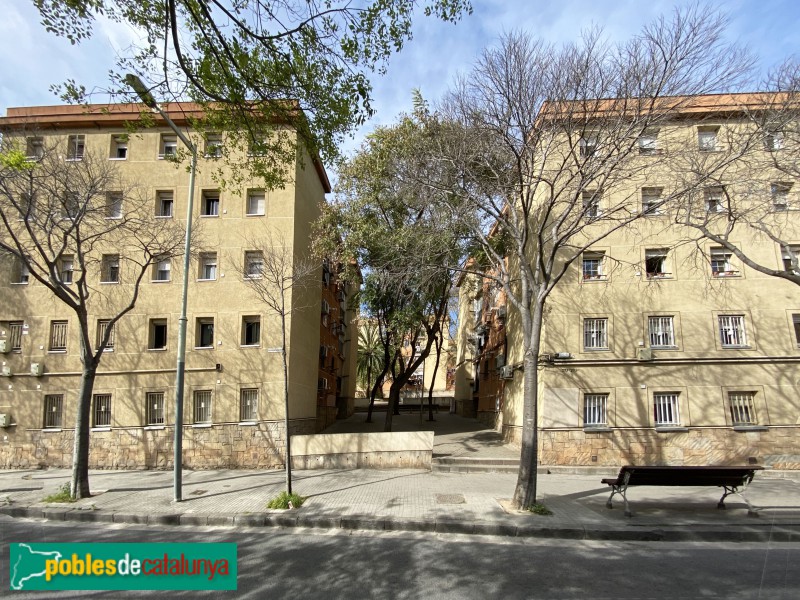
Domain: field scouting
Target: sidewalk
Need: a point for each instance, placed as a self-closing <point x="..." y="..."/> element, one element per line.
<point x="415" y="500"/>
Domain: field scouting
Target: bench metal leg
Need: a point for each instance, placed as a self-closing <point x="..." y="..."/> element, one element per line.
<point x="622" y="490"/>
<point x="751" y="510"/>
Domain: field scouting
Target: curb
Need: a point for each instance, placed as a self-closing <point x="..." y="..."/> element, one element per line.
<point x="766" y="532"/>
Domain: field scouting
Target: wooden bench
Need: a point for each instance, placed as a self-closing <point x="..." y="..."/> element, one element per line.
<point x="731" y="479"/>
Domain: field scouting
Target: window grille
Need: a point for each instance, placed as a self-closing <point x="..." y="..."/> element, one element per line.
<point x="15" y="335"/>
<point x="662" y="333"/>
<point x="666" y="410"/>
<point x="101" y="414"/>
<point x="248" y="404"/>
<point x="742" y="405"/>
<point x="202" y="406"/>
<point x="731" y="330"/>
<point x="58" y="335"/>
<point x="154" y="408"/>
<point x="53" y="407"/>
<point x="595" y="334"/>
<point x="102" y="326"/>
<point x="595" y="408"/>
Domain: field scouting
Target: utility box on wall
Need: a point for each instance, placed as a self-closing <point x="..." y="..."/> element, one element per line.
<point x="5" y="346"/>
<point x="5" y="420"/>
<point x="37" y="369"/>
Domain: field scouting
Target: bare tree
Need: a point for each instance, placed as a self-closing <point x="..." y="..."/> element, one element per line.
<point x="537" y="147"/>
<point x="283" y="281"/>
<point x="58" y="220"/>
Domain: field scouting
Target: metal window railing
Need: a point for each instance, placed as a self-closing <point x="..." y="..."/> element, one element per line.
<point x="202" y="406"/>
<point x="53" y="406"/>
<point x="154" y="408"/>
<point x="595" y="333"/>
<point x="248" y="405"/>
<point x="595" y="409"/>
<point x="666" y="409"/>
<point x="58" y="335"/>
<point x="15" y="335"/>
<point x="662" y="333"/>
<point x="731" y="330"/>
<point x="101" y="414"/>
<point x="742" y="407"/>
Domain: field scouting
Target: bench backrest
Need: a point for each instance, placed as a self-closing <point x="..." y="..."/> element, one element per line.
<point x="677" y="476"/>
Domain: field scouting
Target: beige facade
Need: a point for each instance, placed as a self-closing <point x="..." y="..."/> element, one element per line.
<point x="655" y="353"/>
<point x="233" y="410"/>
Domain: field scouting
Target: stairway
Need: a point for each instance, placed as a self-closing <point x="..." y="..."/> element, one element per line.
<point x="463" y="464"/>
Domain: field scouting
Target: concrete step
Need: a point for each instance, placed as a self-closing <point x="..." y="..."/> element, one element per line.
<point x="465" y="464"/>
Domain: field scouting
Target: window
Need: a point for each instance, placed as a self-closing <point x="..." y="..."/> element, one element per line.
<point x="58" y="336"/>
<point x="780" y="196"/>
<point x="715" y="199"/>
<point x="648" y="142"/>
<point x="204" y="333"/>
<point x="22" y="274"/>
<point x="161" y="269"/>
<point x="76" y="145"/>
<point x="731" y="331"/>
<point x="593" y="268"/>
<point x="34" y="147"/>
<point x="251" y="331"/>
<point x="168" y="146"/>
<point x="655" y="263"/>
<point x="27" y="208"/>
<point x="742" y="407"/>
<point x="110" y="268"/>
<point x="721" y="265"/>
<point x="253" y="263"/>
<point x="652" y="201"/>
<point x="154" y="408"/>
<point x="208" y="266"/>
<point x="157" y="334"/>
<point x="662" y="332"/>
<point x="71" y="206"/>
<point x="114" y="205"/>
<point x="66" y="266"/>
<point x="595" y="410"/>
<point x="773" y="141"/>
<point x="588" y="145"/>
<point x="119" y="147"/>
<point x="258" y="146"/>
<point x="213" y="145"/>
<point x="591" y="204"/>
<point x="795" y="326"/>
<point x="210" y="206"/>
<point x="791" y="258"/>
<point x="53" y="411"/>
<point x="665" y="409"/>
<point x="248" y="404"/>
<point x="707" y="138"/>
<point x="595" y="334"/>
<point x="15" y="335"/>
<point x="256" y="204"/>
<point x="202" y="406"/>
<point x="101" y="410"/>
<point x="164" y="204"/>
<point x="102" y="327"/>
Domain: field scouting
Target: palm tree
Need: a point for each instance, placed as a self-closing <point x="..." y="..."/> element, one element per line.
<point x="370" y="360"/>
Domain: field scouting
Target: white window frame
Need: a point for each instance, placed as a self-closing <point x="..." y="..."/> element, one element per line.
<point x="595" y="410"/>
<point x="260" y="198"/>
<point x="167" y="146"/>
<point x="210" y="205"/>
<point x="588" y="145"/>
<point x="213" y="147"/>
<point x="656" y="254"/>
<point x="249" y="321"/>
<point x="66" y="268"/>
<point x="208" y="266"/>
<point x="165" y="199"/>
<point x="652" y="201"/>
<point x="648" y="142"/>
<point x="119" y="143"/>
<point x="23" y="274"/>
<point x="714" y="198"/>
<point x="109" y="268"/>
<point x="780" y="194"/>
<point x="666" y="409"/>
<point x="722" y="263"/>
<point x="114" y="202"/>
<point x="162" y="270"/>
<point x="595" y="333"/>
<point x="590" y="203"/>
<point x="707" y="138"/>
<point x="661" y="331"/>
<point x="732" y="331"/>
<point x="34" y="147"/>
<point x="76" y="147"/>
<point x="790" y="255"/>
<point x="253" y="258"/>
<point x="593" y="266"/>
<point x="202" y="327"/>
<point x="774" y="141"/>
<point x="151" y="334"/>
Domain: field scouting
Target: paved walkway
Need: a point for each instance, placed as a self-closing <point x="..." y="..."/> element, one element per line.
<point x="417" y="500"/>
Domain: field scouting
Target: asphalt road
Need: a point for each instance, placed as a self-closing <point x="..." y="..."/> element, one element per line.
<point x="275" y="563"/>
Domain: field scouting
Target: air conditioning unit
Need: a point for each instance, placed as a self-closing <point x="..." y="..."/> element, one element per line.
<point x="645" y="354"/>
<point x="5" y="347"/>
<point x="37" y="369"/>
<point x="499" y="361"/>
<point x="5" y="371"/>
<point x="5" y="420"/>
<point x="507" y="372"/>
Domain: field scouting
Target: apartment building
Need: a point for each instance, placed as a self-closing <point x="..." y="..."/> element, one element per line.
<point x="655" y="350"/>
<point x="234" y="410"/>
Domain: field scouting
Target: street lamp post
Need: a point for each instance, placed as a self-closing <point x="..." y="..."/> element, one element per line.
<point x="147" y="98"/>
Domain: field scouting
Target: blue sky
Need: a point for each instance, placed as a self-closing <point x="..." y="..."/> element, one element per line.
<point x="34" y="59"/>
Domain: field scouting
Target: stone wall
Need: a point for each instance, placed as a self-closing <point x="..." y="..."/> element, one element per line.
<point x="224" y="446"/>
<point x="377" y="450"/>
<point x="778" y="447"/>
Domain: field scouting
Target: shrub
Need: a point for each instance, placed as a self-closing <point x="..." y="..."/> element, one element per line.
<point x="62" y="495"/>
<point x="540" y="509"/>
<point x="285" y="500"/>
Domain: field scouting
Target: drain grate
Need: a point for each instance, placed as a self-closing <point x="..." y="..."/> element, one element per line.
<point x="450" y="499"/>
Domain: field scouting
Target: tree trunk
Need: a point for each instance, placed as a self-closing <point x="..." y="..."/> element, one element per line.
<point x="79" y="485"/>
<point x="371" y="395"/>
<point x="394" y="397"/>
<point x="525" y="491"/>
<point x="433" y="379"/>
